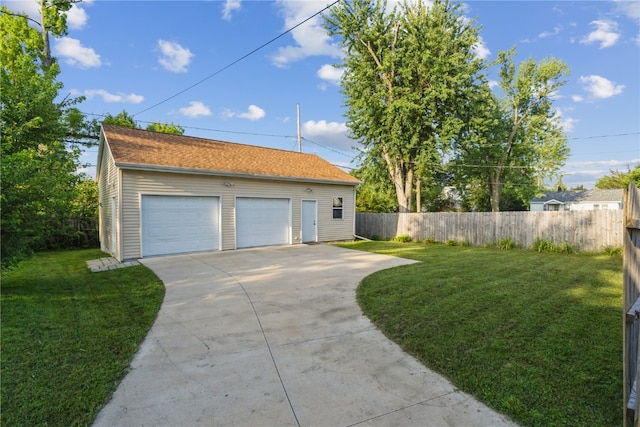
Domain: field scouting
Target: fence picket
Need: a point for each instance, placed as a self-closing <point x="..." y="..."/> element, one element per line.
<point x="631" y="301"/>
<point x="583" y="230"/>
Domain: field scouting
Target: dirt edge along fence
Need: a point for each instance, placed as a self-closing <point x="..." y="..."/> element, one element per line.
<point x="631" y="301"/>
<point x="591" y="231"/>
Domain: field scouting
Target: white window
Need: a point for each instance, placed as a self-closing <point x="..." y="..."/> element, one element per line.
<point x="337" y="208"/>
<point x="596" y="207"/>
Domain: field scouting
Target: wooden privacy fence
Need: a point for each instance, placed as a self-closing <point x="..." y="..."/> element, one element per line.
<point x="631" y="301"/>
<point x="582" y="230"/>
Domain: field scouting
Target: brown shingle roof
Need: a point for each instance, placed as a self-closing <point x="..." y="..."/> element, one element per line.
<point x="136" y="148"/>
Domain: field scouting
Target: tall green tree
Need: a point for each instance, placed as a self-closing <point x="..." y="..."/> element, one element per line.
<point x="38" y="166"/>
<point x="512" y="141"/>
<point x="408" y="74"/>
<point x="619" y="179"/>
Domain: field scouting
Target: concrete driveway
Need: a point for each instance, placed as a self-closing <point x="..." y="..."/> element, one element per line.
<point x="274" y="337"/>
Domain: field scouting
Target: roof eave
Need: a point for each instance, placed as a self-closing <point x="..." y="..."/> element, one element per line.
<point x="155" y="168"/>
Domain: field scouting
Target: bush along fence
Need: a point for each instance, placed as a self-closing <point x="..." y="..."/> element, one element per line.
<point x="631" y="301"/>
<point x="591" y="231"/>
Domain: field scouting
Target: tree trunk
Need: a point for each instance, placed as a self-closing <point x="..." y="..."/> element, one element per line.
<point x="495" y="190"/>
<point x="46" y="47"/>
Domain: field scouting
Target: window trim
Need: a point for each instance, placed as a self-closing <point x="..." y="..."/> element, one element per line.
<point x="338" y="209"/>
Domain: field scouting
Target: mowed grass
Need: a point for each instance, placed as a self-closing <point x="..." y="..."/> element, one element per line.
<point x="536" y="336"/>
<point x="68" y="335"/>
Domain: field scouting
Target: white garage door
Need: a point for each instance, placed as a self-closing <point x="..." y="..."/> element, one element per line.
<point x="262" y="222"/>
<point x="178" y="224"/>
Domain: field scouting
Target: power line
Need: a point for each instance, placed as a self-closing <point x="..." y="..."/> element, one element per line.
<point x="328" y="148"/>
<point x="603" y="136"/>
<point x="209" y="129"/>
<point x="239" y="59"/>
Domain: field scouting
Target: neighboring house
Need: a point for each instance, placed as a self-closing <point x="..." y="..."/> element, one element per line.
<point x="585" y="200"/>
<point x="166" y="194"/>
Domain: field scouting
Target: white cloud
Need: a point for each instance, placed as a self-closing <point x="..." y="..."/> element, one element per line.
<point x="253" y="113"/>
<point x="174" y="58"/>
<point x="481" y="49"/>
<point x="330" y="134"/>
<point x="330" y="73"/>
<point x="31" y="8"/>
<point x="568" y="124"/>
<point x="577" y="98"/>
<point x="229" y="7"/>
<point x="195" y="109"/>
<point x="131" y="98"/>
<point x="77" y="17"/>
<point x="556" y="30"/>
<point x="600" y="87"/>
<point x="630" y="8"/>
<point x="311" y="39"/>
<point x="606" y="33"/>
<point x="602" y="163"/>
<point x="75" y="54"/>
<point x="322" y="127"/>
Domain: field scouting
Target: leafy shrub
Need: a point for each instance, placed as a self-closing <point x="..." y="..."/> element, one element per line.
<point x="402" y="238"/>
<point x="541" y="245"/>
<point x="451" y="242"/>
<point x="429" y="241"/>
<point x="506" y="244"/>
<point x="566" y="248"/>
<point x="465" y="243"/>
<point x="613" y="250"/>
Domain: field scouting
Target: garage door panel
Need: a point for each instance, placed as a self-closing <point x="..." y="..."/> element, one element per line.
<point x="178" y="224"/>
<point x="262" y="222"/>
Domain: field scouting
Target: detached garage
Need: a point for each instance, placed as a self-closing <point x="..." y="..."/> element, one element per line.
<point x="164" y="194"/>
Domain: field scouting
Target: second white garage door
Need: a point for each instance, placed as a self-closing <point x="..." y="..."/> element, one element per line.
<point x="179" y="224"/>
<point x="262" y="222"/>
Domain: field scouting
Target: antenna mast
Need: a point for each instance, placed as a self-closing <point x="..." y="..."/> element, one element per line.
<point x="299" y="136"/>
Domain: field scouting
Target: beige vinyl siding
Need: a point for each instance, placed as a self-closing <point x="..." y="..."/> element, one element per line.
<point x="136" y="183"/>
<point x="108" y="188"/>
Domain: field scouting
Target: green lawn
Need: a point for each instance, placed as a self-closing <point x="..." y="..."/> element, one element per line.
<point x="68" y="335"/>
<point x="536" y="336"/>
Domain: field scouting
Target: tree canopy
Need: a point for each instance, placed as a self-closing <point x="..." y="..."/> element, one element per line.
<point x="38" y="164"/>
<point x="419" y="101"/>
<point x="619" y="179"/>
<point x="408" y="75"/>
<point x="127" y="120"/>
<point x="513" y="140"/>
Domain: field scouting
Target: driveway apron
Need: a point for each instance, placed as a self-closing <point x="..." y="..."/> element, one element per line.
<point x="274" y="337"/>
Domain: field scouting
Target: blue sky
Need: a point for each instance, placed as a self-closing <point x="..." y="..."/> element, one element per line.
<point x="133" y="55"/>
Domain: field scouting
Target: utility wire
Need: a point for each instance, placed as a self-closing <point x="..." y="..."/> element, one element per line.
<point x="328" y="148"/>
<point x="239" y="59"/>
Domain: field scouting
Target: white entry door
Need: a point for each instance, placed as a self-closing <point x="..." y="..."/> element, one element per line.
<point x="309" y="221"/>
<point x="179" y="224"/>
<point x="262" y="222"/>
